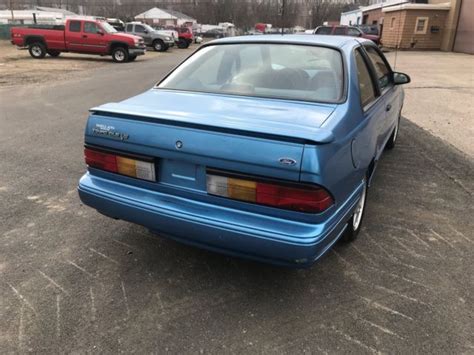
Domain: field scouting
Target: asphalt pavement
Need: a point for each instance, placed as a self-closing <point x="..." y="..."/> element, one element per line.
<point x="72" y="280"/>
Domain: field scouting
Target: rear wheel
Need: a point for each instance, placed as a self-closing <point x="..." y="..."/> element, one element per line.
<point x="159" y="45"/>
<point x="120" y="55"/>
<point x="355" y="223"/>
<point x="54" y="53"/>
<point x="37" y="50"/>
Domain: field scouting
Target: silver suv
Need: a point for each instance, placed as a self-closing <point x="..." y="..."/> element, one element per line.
<point x="159" y="41"/>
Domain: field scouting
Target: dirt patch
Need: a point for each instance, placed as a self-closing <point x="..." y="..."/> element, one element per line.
<point x="18" y="68"/>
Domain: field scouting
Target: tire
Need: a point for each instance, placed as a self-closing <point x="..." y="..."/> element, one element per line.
<point x="393" y="138"/>
<point x="355" y="222"/>
<point x="159" y="45"/>
<point x="120" y="55"/>
<point x="37" y="50"/>
<point x="54" y="53"/>
<point x="182" y="43"/>
<point x="131" y="58"/>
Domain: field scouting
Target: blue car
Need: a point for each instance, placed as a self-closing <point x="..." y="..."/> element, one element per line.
<point x="261" y="147"/>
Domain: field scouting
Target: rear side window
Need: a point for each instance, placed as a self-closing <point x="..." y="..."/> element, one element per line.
<point x="129" y="28"/>
<point x="381" y="69"/>
<point x="366" y="86"/>
<point x="340" y="31"/>
<point x="323" y="31"/>
<point x="75" y="26"/>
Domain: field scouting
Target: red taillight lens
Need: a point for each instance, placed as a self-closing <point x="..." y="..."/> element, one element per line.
<point x="310" y="199"/>
<point x="113" y="163"/>
<point x="101" y="160"/>
<point x="298" y="199"/>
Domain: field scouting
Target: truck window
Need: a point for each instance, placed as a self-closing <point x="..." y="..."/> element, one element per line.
<point x="75" y="26"/>
<point x="90" y="27"/>
<point x="129" y="28"/>
<point x="139" y="29"/>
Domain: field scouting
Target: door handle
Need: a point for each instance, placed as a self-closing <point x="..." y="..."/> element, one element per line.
<point x="388" y="108"/>
<point x="84" y="36"/>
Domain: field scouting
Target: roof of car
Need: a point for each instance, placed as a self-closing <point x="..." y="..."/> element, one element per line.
<point x="323" y="40"/>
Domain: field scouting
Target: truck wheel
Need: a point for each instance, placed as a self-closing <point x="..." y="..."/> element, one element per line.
<point x="131" y="58"/>
<point x="159" y="45"/>
<point x="182" y="43"/>
<point x="37" y="50"/>
<point x="54" y="53"/>
<point x="120" y="55"/>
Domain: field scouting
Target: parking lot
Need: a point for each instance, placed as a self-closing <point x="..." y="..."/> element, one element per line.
<point x="72" y="280"/>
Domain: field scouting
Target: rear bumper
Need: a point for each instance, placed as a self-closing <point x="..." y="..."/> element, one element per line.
<point x="217" y="228"/>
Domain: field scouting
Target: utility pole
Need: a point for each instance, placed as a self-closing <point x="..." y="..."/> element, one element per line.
<point x="10" y="4"/>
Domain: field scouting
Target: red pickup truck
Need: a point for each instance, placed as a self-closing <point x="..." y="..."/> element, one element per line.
<point x="79" y="35"/>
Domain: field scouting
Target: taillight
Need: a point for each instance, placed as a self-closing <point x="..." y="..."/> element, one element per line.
<point x="123" y="165"/>
<point x="303" y="198"/>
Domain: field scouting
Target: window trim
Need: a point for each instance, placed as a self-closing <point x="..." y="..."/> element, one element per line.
<point x="393" y="19"/>
<point x="368" y="64"/>
<point x="374" y="72"/>
<point x="425" y="27"/>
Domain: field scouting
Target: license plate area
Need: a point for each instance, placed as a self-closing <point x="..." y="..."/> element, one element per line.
<point x="182" y="174"/>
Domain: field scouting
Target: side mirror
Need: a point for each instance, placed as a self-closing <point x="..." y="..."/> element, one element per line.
<point x="400" y="78"/>
<point x="100" y="32"/>
<point x="145" y="31"/>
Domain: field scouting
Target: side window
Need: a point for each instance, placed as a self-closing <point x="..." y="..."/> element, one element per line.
<point x="340" y="31"/>
<point x="90" y="27"/>
<point x="129" y="28"/>
<point x="139" y="29"/>
<point x="366" y="87"/>
<point x="75" y="26"/>
<point x="353" y="32"/>
<point x="324" y="31"/>
<point x="381" y="69"/>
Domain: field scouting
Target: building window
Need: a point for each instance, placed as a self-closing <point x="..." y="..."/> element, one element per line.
<point x="392" y="22"/>
<point x="421" y="25"/>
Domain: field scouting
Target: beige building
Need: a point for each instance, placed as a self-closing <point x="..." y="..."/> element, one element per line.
<point x="434" y="25"/>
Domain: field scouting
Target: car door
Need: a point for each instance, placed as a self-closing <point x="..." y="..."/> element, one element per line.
<point x="74" y="36"/>
<point x="93" y="40"/>
<point x="368" y="145"/>
<point x="143" y="33"/>
<point x="391" y="93"/>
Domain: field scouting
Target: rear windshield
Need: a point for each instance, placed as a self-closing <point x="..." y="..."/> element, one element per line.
<point x="286" y="71"/>
<point x="323" y="30"/>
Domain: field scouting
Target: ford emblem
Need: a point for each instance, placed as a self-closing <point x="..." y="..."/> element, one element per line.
<point x="287" y="161"/>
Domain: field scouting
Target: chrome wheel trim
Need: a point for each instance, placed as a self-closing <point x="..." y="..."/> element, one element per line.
<point x="36" y="50"/>
<point x="119" y="56"/>
<point x="157" y="46"/>
<point x="359" y="210"/>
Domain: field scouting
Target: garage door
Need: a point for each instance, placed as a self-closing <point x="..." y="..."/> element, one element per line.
<point x="464" y="41"/>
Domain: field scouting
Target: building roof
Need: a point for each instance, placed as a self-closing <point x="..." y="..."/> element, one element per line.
<point x="55" y="9"/>
<point x="410" y="6"/>
<point x="163" y="14"/>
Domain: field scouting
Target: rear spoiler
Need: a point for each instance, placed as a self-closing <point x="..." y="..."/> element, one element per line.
<point x="299" y="135"/>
